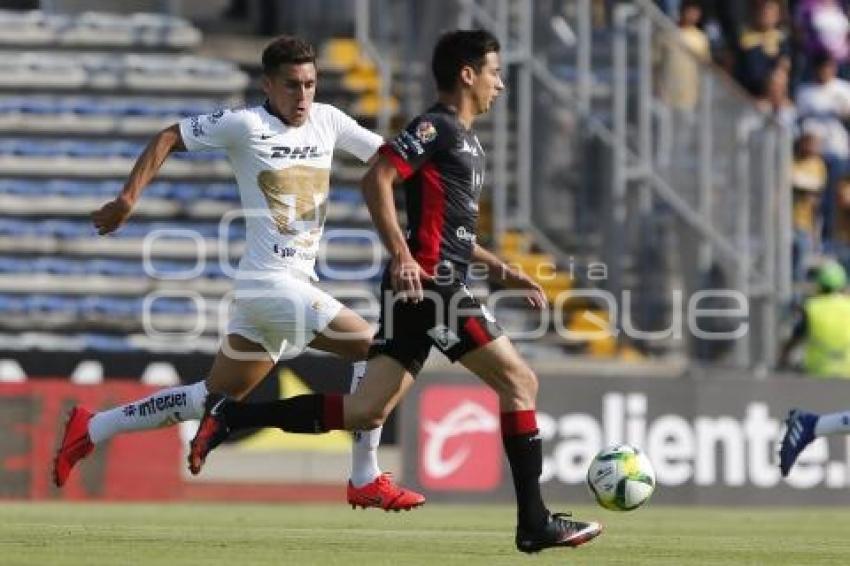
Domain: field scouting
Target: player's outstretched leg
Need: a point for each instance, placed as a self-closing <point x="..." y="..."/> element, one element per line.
<point x="76" y="445"/>
<point x="799" y="433"/>
<point x="211" y="432"/>
<point x="85" y="430"/>
<point x="367" y="486"/>
<point x="382" y="493"/>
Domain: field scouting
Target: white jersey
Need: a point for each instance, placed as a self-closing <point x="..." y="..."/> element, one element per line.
<point x="283" y="173"/>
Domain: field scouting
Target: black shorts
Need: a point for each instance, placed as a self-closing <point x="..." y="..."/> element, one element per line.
<point x="449" y="318"/>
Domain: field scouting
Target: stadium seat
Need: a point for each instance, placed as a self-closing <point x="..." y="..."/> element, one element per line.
<point x="106" y="343"/>
<point x="14" y="265"/>
<point x="51" y="304"/>
<point x="340" y="54"/>
<point x="96" y="29"/>
<point x="362" y="78"/>
<point x="12" y="304"/>
<point x="592" y="324"/>
<point x="370" y="105"/>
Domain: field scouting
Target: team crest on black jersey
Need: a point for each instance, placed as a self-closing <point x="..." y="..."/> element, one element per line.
<point x="298" y="152"/>
<point x="426" y="132"/>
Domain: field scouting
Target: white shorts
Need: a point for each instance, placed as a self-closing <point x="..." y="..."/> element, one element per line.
<point x="282" y="312"/>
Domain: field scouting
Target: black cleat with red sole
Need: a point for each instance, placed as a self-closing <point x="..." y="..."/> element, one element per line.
<point x="560" y="530"/>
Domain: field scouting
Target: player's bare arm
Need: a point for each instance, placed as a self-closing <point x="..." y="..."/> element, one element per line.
<point x="406" y="274"/>
<point x="113" y="214"/>
<point x="508" y="277"/>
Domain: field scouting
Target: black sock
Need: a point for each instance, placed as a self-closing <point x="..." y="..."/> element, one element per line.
<point x="310" y="414"/>
<point x="525" y="455"/>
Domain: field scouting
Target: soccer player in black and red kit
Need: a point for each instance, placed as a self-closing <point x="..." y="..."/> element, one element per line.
<point x="441" y="164"/>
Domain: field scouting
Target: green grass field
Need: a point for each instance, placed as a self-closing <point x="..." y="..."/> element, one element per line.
<point x="184" y="534"/>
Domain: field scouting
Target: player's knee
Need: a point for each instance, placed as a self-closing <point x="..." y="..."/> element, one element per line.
<point x="521" y="385"/>
<point x="365" y="416"/>
<point x="374" y="417"/>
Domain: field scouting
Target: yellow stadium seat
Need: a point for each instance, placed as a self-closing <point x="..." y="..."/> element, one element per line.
<point x="369" y="105"/>
<point x="630" y="354"/>
<point x="536" y="265"/>
<point x="515" y="242"/>
<point x="340" y="54"/>
<point x="592" y="323"/>
<point x="362" y="78"/>
<point x="555" y="285"/>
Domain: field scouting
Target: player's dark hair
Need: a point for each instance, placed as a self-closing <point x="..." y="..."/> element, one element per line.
<point x="457" y="49"/>
<point x="287" y="50"/>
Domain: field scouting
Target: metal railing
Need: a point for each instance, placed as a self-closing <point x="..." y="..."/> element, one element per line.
<point x="589" y="152"/>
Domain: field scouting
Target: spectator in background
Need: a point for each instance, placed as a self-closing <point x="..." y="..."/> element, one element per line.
<point x="824" y="104"/>
<point x="822" y="28"/>
<point x="680" y="74"/>
<point x="822" y="324"/>
<point x="808" y="179"/>
<point x="722" y="22"/>
<point x="774" y="99"/>
<point x="839" y="245"/>
<point x="762" y="47"/>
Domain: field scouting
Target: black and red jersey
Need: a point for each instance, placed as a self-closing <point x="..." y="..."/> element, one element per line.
<point x="442" y="164"/>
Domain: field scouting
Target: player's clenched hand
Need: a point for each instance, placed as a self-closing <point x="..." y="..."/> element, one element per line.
<point x="536" y="296"/>
<point x="406" y="277"/>
<point x="112" y="215"/>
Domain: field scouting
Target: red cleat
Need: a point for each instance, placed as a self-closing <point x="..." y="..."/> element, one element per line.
<point x="385" y="494"/>
<point x="75" y="446"/>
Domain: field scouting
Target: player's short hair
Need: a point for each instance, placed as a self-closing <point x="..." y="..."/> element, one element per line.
<point x="287" y="50"/>
<point x="457" y="49"/>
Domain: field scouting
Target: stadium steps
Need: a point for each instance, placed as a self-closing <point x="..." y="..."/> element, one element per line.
<point x="589" y="323"/>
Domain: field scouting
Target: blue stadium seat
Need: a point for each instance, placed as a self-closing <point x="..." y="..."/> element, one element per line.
<point x="159" y="189"/>
<point x="36" y="105"/>
<point x="36" y="148"/>
<point x="15" y="227"/>
<point x="110" y="306"/>
<point x="171" y="305"/>
<point x="107" y="189"/>
<point x="185" y="192"/>
<point x="115" y="267"/>
<point x="12" y="304"/>
<point x="58" y="266"/>
<point x="14" y="265"/>
<point x="66" y="187"/>
<point x="88" y="149"/>
<point x="22" y="187"/>
<point x="346" y="194"/>
<point x="106" y="343"/>
<point x="51" y="304"/>
<point x="221" y="191"/>
<point x="127" y="150"/>
<point x="66" y="228"/>
<point x="86" y="106"/>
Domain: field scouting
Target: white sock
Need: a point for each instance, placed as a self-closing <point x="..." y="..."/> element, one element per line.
<point x="364" y="449"/>
<point x="833" y="423"/>
<point x="163" y="408"/>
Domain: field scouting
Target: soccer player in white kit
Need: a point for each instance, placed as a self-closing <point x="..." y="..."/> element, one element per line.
<point x="281" y="153"/>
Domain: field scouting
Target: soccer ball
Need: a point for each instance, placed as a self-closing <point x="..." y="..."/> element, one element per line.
<point x="621" y="478"/>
